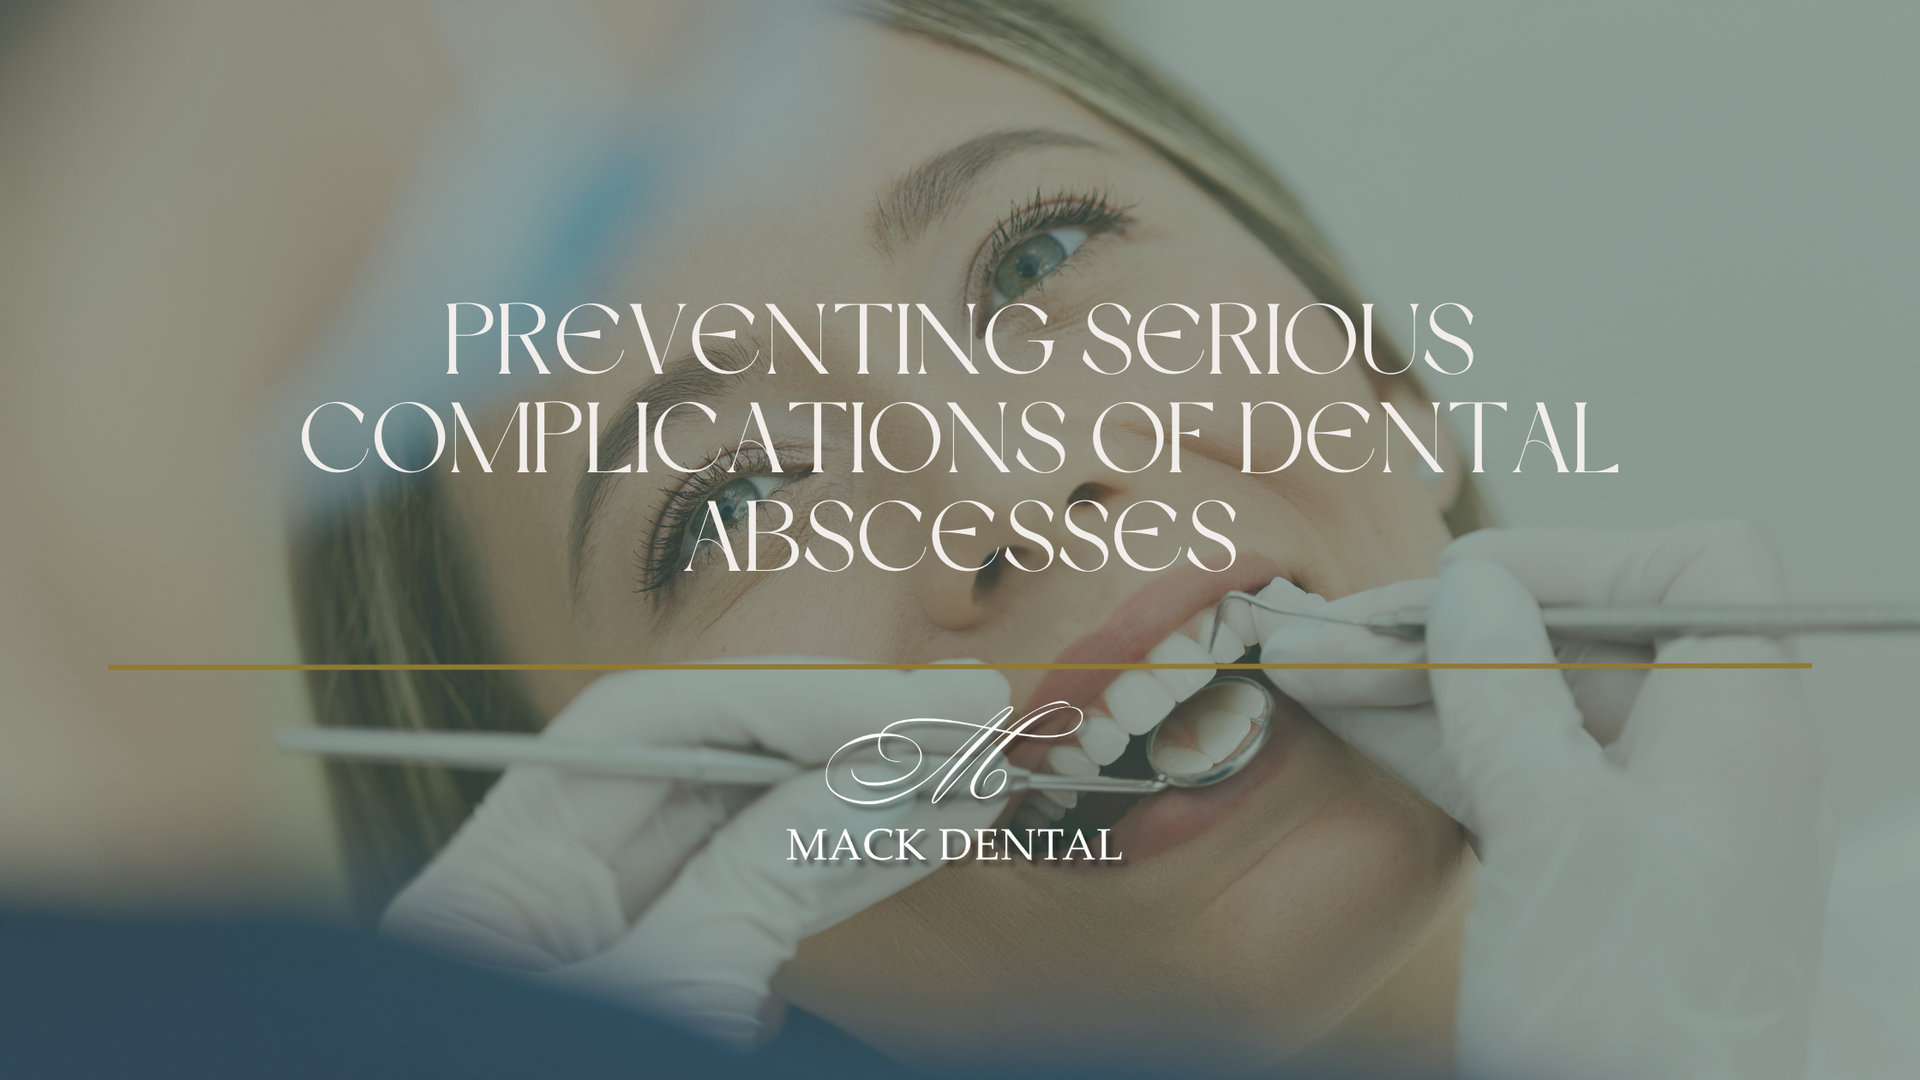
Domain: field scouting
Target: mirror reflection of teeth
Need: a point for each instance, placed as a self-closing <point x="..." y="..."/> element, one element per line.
<point x="1179" y="761"/>
<point x="1206" y="730"/>
<point x="1220" y="733"/>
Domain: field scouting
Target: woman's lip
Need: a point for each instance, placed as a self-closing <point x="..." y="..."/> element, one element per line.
<point x="1142" y="621"/>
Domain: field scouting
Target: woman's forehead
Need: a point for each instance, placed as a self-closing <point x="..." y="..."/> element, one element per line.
<point x="809" y="206"/>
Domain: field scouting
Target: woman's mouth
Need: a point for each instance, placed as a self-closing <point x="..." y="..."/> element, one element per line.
<point x="1169" y="621"/>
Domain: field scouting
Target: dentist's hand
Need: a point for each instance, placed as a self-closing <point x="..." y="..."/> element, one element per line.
<point x="1651" y="887"/>
<point x="680" y="899"/>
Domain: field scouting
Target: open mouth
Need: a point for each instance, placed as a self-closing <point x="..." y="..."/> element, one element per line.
<point x="1121" y="710"/>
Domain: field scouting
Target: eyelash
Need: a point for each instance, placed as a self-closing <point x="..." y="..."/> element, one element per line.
<point x="661" y="557"/>
<point x="658" y="561"/>
<point x="1091" y="211"/>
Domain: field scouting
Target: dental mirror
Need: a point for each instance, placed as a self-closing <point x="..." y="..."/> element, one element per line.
<point x="1213" y="734"/>
<point x="1204" y="740"/>
<point x="1207" y="738"/>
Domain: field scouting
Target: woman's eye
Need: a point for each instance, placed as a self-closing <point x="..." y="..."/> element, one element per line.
<point x="1031" y="259"/>
<point x="730" y="501"/>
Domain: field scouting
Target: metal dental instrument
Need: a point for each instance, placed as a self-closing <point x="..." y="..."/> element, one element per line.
<point x="489" y="750"/>
<point x="1633" y="625"/>
<point x="1233" y="693"/>
<point x="1639" y="625"/>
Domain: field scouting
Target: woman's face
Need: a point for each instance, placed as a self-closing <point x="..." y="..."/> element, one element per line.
<point x="1245" y="917"/>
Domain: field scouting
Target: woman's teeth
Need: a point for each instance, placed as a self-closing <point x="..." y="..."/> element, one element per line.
<point x="1240" y="618"/>
<point x="1042" y="808"/>
<point x="1180" y="649"/>
<point x="1071" y="760"/>
<point x="1137" y="701"/>
<point x="1231" y="640"/>
<point x="1038" y="810"/>
<point x="1102" y="739"/>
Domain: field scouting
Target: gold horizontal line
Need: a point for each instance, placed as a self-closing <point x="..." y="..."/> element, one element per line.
<point x="924" y="667"/>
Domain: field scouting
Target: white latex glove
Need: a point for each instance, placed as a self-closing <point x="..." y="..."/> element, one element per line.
<point x="680" y="899"/>
<point x="1648" y="906"/>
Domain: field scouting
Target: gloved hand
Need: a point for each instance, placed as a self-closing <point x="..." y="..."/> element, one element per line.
<point x="680" y="899"/>
<point x="1651" y="885"/>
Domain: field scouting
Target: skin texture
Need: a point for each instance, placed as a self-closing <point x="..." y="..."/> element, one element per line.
<point x="1237" y="945"/>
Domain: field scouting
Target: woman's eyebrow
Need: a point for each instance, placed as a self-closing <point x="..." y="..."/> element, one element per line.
<point x="685" y="379"/>
<point x="936" y="185"/>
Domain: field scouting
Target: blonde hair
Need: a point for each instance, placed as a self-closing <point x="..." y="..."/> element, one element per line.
<point x="382" y="577"/>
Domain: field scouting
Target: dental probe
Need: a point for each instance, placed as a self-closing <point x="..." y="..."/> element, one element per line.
<point x="1640" y="625"/>
<point x="489" y="750"/>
